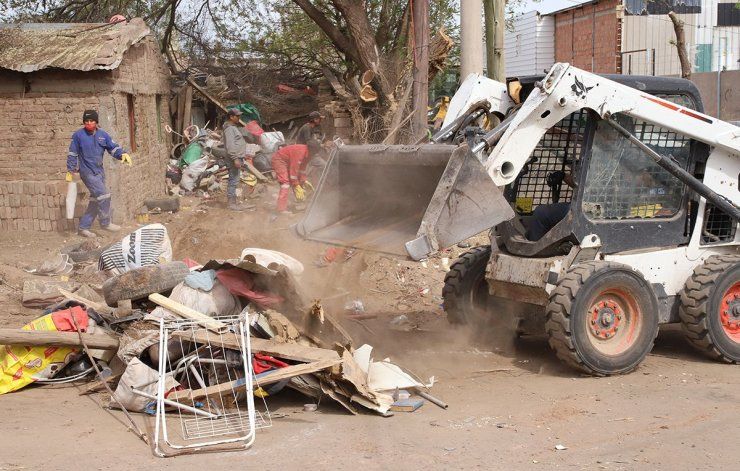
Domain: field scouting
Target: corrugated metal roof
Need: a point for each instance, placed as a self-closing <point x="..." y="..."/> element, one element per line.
<point x="27" y="47"/>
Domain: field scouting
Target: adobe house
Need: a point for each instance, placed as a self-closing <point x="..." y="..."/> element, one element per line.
<point x="51" y="73"/>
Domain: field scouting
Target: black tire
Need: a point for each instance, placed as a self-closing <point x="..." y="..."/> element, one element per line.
<point x="164" y="204"/>
<point x="465" y="292"/>
<point x="707" y="289"/>
<point x="83" y="252"/>
<point x="141" y="282"/>
<point x="602" y="318"/>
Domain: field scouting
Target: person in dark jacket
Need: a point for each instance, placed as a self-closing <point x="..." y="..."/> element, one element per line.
<point x="236" y="149"/>
<point x="85" y="158"/>
<point x="309" y="131"/>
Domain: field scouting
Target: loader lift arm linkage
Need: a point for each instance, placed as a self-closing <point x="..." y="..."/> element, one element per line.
<point x="505" y="150"/>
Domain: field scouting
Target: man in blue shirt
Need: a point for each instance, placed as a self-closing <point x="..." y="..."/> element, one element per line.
<point x="86" y="158"/>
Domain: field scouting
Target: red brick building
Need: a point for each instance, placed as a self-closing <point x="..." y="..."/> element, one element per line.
<point x="51" y="73"/>
<point x="589" y="36"/>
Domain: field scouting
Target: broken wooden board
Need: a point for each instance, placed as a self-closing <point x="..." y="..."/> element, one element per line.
<point x="271" y="378"/>
<point x="286" y="351"/>
<point x="31" y="338"/>
<point x="99" y="307"/>
<point x="97" y="386"/>
<point x="188" y="313"/>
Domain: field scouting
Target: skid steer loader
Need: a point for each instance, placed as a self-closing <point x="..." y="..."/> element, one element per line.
<point x="612" y="203"/>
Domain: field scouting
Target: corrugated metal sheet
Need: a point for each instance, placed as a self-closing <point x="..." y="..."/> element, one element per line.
<point x="75" y="46"/>
<point x="529" y="46"/>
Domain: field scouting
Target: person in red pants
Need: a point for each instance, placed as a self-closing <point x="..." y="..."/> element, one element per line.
<point x="289" y="164"/>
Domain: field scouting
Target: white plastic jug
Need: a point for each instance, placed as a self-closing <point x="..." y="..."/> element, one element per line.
<point x="71" y="199"/>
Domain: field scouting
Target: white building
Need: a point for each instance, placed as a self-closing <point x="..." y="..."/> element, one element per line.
<point x="529" y="48"/>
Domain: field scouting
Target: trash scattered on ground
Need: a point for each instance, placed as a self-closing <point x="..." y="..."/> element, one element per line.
<point x="560" y="447"/>
<point x="199" y="349"/>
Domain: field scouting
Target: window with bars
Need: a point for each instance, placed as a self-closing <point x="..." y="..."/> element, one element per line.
<point x="718" y="226"/>
<point x="558" y="150"/>
<point x="623" y="182"/>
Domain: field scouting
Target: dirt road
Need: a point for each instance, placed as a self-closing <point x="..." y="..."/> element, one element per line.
<point x="511" y="402"/>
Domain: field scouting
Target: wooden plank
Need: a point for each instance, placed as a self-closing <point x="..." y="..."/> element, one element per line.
<point x="97" y="386"/>
<point x="188" y="313"/>
<point x="286" y="351"/>
<point x="51" y="338"/>
<point x="272" y="377"/>
<point x="100" y="307"/>
<point x="186" y="117"/>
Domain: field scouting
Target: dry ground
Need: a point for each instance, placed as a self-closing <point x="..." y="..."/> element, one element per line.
<point x="510" y="401"/>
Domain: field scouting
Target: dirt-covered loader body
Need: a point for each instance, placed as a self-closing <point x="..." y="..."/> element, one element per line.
<point x="613" y="203"/>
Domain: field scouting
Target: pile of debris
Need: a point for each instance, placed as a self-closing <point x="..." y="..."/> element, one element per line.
<point x="199" y="163"/>
<point x="196" y="344"/>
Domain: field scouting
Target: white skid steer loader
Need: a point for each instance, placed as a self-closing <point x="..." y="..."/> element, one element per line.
<point x="613" y="203"/>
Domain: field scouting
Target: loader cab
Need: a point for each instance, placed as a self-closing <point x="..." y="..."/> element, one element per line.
<point x="619" y="193"/>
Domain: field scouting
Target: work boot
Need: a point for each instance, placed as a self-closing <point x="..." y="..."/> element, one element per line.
<point x="112" y="227"/>
<point x="86" y="233"/>
<point x="233" y="205"/>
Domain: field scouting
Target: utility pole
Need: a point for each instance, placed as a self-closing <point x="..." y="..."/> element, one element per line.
<point x="420" y="89"/>
<point x="495" y="30"/>
<point x="471" y="38"/>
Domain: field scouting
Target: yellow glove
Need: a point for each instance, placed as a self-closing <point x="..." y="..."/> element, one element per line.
<point x="126" y="159"/>
<point x="68" y="178"/>
<point x="308" y="185"/>
<point x="300" y="193"/>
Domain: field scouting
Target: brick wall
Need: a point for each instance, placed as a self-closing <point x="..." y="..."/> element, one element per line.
<point x="40" y="111"/>
<point x="589" y="37"/>
<point x="337" y="120"/>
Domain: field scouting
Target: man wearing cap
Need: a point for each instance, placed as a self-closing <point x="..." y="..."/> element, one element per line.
<point x="308" y="131"/>
<point x="85" y="157"/>
<point x="236" y="150"/>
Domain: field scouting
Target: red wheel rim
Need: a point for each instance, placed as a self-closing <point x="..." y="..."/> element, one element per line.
<point x="729" y="312"/>
<point x="613" y="321"/>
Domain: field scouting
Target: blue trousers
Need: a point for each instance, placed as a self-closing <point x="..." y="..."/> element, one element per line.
<point x="544" y="218"/>
<point x="233" y="180"/>
<point x="99" y="205"/>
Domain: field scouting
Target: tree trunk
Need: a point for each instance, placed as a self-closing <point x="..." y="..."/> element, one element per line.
<point x="421" y="69"/>
<point x="499" y="72"/>
<point x="490" y="33"/>
<point x="471" y="38"/>
<point x="683" y="56"/>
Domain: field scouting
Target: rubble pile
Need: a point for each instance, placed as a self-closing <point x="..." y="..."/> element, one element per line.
<point x="199" y="343"/>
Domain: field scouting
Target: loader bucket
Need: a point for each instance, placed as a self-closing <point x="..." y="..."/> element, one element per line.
<point x="402" y="200"/>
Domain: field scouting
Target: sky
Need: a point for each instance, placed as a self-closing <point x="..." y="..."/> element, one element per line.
<point x="547" y="6"/>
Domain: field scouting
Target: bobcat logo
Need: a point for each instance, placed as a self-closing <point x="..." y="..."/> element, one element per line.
<point x="579" y="88"/>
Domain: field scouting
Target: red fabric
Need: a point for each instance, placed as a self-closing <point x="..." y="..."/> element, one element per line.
<point x="241" y="283"/>
<point x="280" y="166"/>
<point x="262" y="363"/>
<point x="282" y="201"/>
<point x="63" y="319"/>
<point x="254" y="128"/>
<point x="295" y="160"/>
<point x="332" y="253"/>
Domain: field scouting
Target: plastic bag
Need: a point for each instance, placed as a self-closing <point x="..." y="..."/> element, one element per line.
<point x="216" y="302"/>
<point x="136" y="375"/>
<point x="271" y="141"/>
<point x="22" y="365"/>
<point x="192" y="153"/>
<point x="192" y="172"/>
<point x="148" y="245"/>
